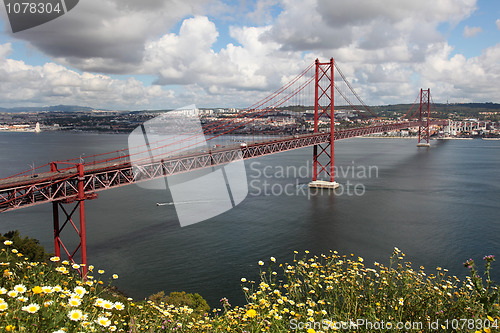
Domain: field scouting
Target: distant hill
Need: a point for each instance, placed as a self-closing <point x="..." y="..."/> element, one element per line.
<point x="60" y="108"/>
<point x="452" y="107"/>
<point x="443" y="110"/>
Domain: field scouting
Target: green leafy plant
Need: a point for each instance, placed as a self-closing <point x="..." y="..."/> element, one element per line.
<point x="487" y="294"/>
<point x="29" y="247"/>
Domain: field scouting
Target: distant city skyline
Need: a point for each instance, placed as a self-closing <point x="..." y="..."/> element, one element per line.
<point x="165" y="54"/>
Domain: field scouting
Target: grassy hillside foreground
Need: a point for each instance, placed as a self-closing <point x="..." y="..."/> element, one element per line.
<point x="324" y="293"/>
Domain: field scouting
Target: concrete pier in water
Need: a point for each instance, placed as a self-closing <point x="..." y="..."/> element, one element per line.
<point x="323" y="184"/>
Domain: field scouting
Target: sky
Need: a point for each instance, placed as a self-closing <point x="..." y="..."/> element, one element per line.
<point x="161" y="54"/>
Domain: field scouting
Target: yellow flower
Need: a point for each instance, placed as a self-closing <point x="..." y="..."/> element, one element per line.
<point x="9" y="328"/>
<point x="4" y="306"/>
<point x="32" y="308"/>
<point x="8" y="242"/>
<point x="55" y="259"/>
<point x="103" y="321"/>
<point x="251" y="313"/>
<point x="80" y="291"/>
<point x="115" y="276"/>
<point x="101" y="271"/>
<point x="119" y="306"/>
<point x="311" y="330"/>
<point x="20" y="288"/>
<point x="74" y="302"/>
<point x="261" y="263"/>
<point x="75" y="315"/>
<point x="37" y="290"/>
<point x="62" y="269"/>
<point x="107" y="305"/>
<point x="47" y="289"/>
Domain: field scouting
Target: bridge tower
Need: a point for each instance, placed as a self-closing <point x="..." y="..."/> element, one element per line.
<point x="58" y="206"/>
<point x="324" y="108"/>
<point x="424" y="115"/>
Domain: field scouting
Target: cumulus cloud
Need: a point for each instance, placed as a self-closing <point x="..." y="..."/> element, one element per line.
<point x="55" y="84"/>
<point x="108" y="36"/>
<point x="5" y="50"/>
<point x="462" y="79"/>
<point x="498" y="23"/>
<point x="364" y="23"/>
<point x="471" y="31"/>
<point x="371" y="42"/>
<point x="387" y="51"/>
<point x="187" y="58"/>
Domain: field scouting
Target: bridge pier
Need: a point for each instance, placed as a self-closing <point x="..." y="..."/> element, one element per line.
<point x="323" y="184"/>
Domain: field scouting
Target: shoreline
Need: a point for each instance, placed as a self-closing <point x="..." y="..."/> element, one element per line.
<point x="124" y="132"/>
<point x="387" y="137"/>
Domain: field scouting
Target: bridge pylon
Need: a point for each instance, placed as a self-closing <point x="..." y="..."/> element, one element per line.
<point x="324" y="108"/>
<point x="59" y="206"/>
<point x="424" y="115"/>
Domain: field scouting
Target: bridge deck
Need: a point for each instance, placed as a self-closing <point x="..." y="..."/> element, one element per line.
<point x="49" y="186"/>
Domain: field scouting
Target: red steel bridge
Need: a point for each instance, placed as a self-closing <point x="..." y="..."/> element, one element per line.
<point x="68" y="184"/>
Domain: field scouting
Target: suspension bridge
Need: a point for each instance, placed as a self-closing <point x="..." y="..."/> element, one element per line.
<point x="69" y="183"/>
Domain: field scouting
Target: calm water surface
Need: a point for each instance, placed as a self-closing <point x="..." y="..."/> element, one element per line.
<point x="440" y="206"/>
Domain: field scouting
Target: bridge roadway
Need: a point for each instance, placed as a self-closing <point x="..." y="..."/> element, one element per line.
<point x="50" y="186"/>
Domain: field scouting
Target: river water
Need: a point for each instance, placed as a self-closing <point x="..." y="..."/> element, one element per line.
<point x="439" y="205"/>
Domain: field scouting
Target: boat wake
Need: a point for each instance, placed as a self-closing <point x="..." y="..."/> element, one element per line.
<point x="183" y="202"/>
